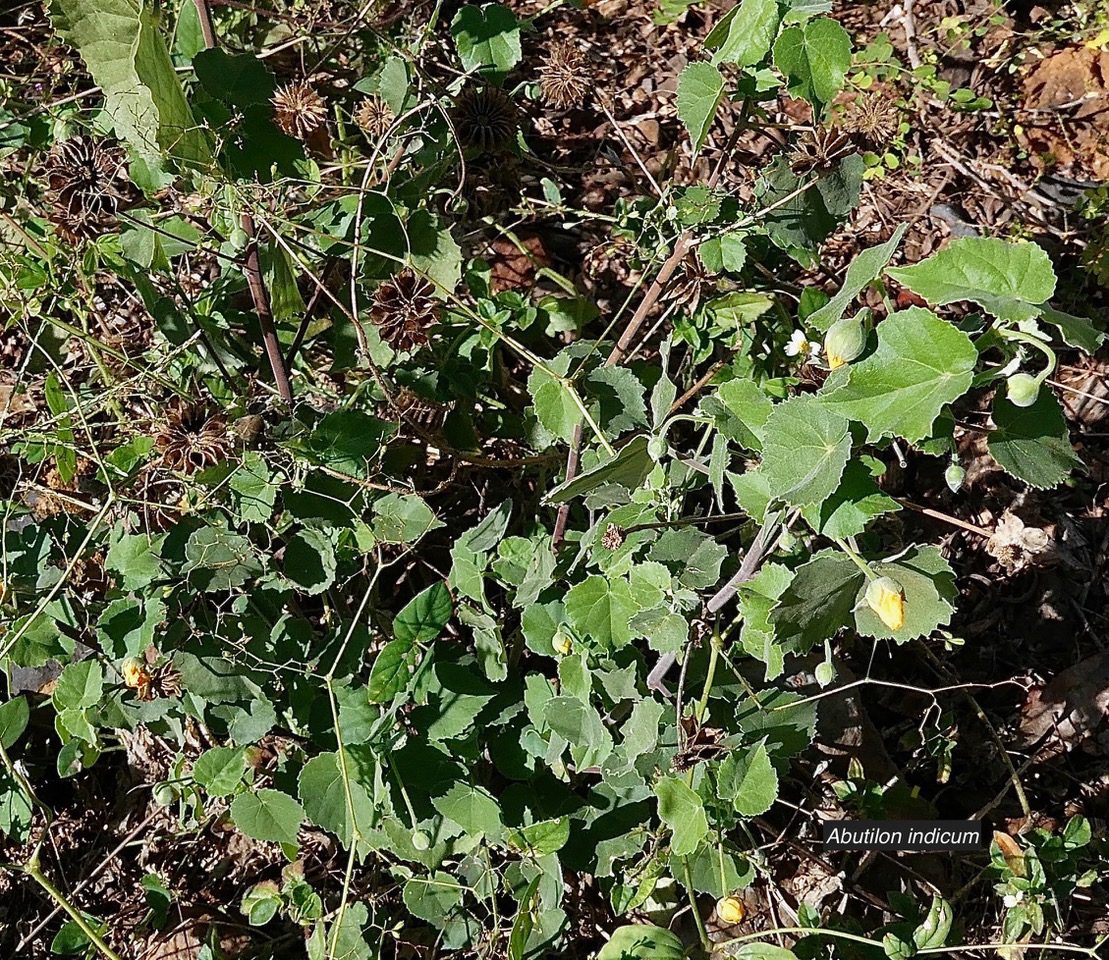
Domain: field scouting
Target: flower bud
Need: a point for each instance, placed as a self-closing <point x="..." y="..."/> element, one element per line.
<point x="887" y="599"/>
<point x="562" y="643"/>
<point x="1023" y="389"/>
<point x="730" y="910"/>
<point x="954" y="475"/>
<point x="844" y="341"/>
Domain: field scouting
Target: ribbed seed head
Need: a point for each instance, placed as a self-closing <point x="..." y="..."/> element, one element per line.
<point x="484" y="118"/>
<point x="404" y="310"/>
<point x="565" y="78"/>
<point x="298" y="110"/>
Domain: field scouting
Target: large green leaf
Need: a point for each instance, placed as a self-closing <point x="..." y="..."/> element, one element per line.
<point x="642" y="942"/>
<point x="425" y="615"/>
<point x="928" y="583"/>
<point x="682" y="811"/>
<point x="856" y="501"/>
<point x="921" y="363"/>
<point x="746" y="32"/>
<point x="1032" y="443"/>
<point x="700" y="90"/>
<point x="817" y="602"/>
<point x="602" y="610"/>
<point x="804" y="450"/>
<point x="127" y="57"/>
<point x="999" y="275"/>
<point x="487" y="36"/>
<point x="323" y="790"/>
<point x="473" y="808"/>
<point x="814" y="58"/>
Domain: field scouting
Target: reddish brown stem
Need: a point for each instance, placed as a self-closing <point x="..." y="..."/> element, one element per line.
<point x="251" y="266"/>
<point x="260" y="295"/>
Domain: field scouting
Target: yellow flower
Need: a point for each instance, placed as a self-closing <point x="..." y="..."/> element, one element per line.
<point x="886" y="598"/>
<point x="835" y="361"/>
<point x="730" y="910"/>
<point x="134" y="674"/>
<point x="562" y="643"/>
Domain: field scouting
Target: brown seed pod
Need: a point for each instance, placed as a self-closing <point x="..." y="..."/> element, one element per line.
<point x="404" y="309"/>
<point x="565" y="78"/>
<point x="374" y="116"/>
<point x="819" y="151"/>
<point x="484" y="118"/>
<point x="298" y="110"/>
<point x="192" y="438"/>
<point x="87" y="186"/>
<point x="873" y="120"/>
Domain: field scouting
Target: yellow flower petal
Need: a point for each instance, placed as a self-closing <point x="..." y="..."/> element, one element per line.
<point x="887" y="599"/>
<point x="134" y="674"/>
<point x="835" y="361"/>
<point x="730" y="910"/>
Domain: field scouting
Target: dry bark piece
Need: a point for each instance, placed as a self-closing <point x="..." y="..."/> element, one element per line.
<point x="1070" y="88"/>
<point x="87" y="186"/>
<point x="192" y="438"/>
<point x="374" y="116"/>
<point x="1070" y="708"/>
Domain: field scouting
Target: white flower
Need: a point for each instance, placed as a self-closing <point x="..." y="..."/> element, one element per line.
<point x="797" y="343"/>
<point x="800" y="344"/>
<point x="1012" y="899"/>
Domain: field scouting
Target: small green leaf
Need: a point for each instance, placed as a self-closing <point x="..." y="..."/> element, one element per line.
<point x="602" y="610"/>
<point x="1032" y="443"/>
<point x="863" y="271"/>
<point x="753" y="786"/>
<point x="682" y="811"/>
<point x="700" y="90"/>
<point x="763" y="951"/>
<point x="805" y="449"/>
<point x="220" y="770"/>
<point x="424" y="617"/>
<point x="433" y="898"/>
<point x="815" y="59"/>
<point x="392" y="670"/>
<point x="80" y="685"/>
<point x="255" y="492"/>
<point x="14" y="715"/>
<point x="310" y="560"/>
<point x="268" y="815"/>
<point x="933" y="931"/>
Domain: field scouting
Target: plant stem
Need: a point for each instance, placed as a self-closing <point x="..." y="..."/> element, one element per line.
<point x="714" y="655"/>
<point x="857" y="560"/>
<point x="702" y="933"/>
<point x="32" y="869"/>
